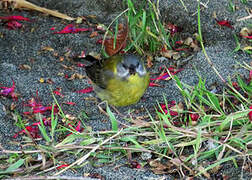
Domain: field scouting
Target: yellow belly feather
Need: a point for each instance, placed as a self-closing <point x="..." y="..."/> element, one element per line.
<point x="124" y="92"/>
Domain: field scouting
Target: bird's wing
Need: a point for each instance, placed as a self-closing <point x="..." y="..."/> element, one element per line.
<point x="98" y="74"/>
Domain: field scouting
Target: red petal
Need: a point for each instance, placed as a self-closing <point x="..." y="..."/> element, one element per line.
<point x="70" y="103"/>
<point x="194" y="117"/>
<point x="62" y="166"/>
<point x="18" y="18"/>
<point x="250" y="76"/>
<point x="224" y="23"/>
<point x="86" y="90"/>
<point x="151" y="84"/>
<point x="250" y="116"/>
<point x="248" y="37"/>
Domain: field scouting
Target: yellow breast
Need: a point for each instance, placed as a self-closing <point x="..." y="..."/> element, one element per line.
<point x="124" y="92"/>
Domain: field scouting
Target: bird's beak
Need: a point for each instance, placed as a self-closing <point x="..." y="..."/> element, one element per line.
<point x="132" y="70"/>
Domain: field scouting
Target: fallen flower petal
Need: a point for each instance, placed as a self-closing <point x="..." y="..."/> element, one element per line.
<point x="77" y="128"/>
<point x="9" y="91"/>
<point x="99" y="41"/>
<point x="13" y="25"/>
<point x="58" y="93"/>
<point x="135" y="164"/>
<point x="235" y="85"/>
<point x="166" y="76"/>
<point x="44" y="109"/>
<point x="70" y="103"/>
<point x="82" y="30"/>
<point x="250" y="76"/>
<point x="194" y="117"/>
<point x="65" y="30"/>
<point x="81" y="65"/>
<point x="224" y="23"/>
<point x="250" y="114"/>
<point x="33" y="130"/>
<point x="33" y="103"/>
<point x="164" y="108"/>
<point x="71" y="29"/>
<point x="86" y="90"/>
<point x="62" y="166"/>
<point x="173" y="28"/>
<point x="15" y="18"/>
<point x="151" y="84"/>
<point x="248" y="37"/>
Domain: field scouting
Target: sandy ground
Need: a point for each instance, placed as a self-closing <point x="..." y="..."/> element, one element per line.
<point x="21" y="46"/>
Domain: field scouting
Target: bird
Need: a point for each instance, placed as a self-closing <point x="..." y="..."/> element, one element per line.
<point x="121" y="80"/>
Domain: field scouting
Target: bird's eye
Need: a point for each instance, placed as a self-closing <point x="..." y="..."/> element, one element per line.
<point x="124" y="66"/>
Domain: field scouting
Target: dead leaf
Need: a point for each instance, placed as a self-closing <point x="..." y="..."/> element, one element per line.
<point x="61" y="58"/>
<point x="176" y="56"/>
<point x="93" y="34"/>
<point x="47" y="48"/>
<point x="67" y="67"/>
<point x="121" y="40"/>
<point x="245" y="31"/>
<point x="23" y="4"/>
<point x="25" y="67"/>
<point x="49" y="81"/>
<point x="188" y="41"/>
<point x="169" y="53"/>
<point x="205" y="173"/>
<point x="179" y="108"/>
<point x="13" y="106"/>
<point x="149" y="61"/>
<point x="69" y="117"/>
<point x="159" y="168"/>
<point x="76" y="76"/>
<point x="79" y="20"/>
<point x="140" y="123"/>
<point x="194" y="45"/>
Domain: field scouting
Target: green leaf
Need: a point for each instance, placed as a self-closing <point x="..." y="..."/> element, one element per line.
<point x="112" y="119"/>
<point x="13" y="167"/>
<point x="43" y="129"/>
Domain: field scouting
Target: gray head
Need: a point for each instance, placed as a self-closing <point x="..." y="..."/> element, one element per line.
<point x="130" y="65"/>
